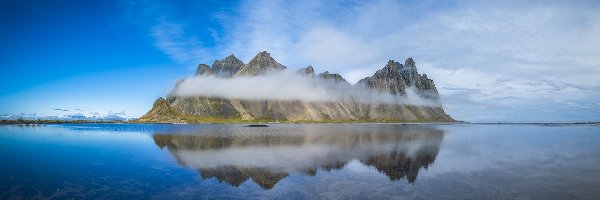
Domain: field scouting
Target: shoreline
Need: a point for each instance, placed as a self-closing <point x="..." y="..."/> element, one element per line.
<point x="45" y="122"/>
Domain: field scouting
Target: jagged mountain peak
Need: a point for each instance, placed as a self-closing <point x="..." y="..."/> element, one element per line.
<point x="392" y="66"/>
<point x="410" y="62"/>
<point x="260" y="64"/>
<point x="225" y="68"/>
<point x="263" y="56"/>
<point x="309" y="71"/>
<point x="231" y="57"/>
<point x="335" y="77"/>
<point x="395" y="78"/>
<point x="203" y="69"/>
<point x="158" y="101"/>
<point x="410" y="68"/>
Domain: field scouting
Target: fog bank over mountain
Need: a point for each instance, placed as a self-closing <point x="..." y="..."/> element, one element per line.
<point x="289" y="86"/>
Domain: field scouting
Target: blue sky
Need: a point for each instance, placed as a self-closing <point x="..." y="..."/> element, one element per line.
<point x="492" y="61"/>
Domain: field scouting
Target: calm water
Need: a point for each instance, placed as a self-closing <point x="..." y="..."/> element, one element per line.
<point x="331" y="161"/>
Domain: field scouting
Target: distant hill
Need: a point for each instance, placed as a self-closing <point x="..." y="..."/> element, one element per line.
<point x="394" y="79"/>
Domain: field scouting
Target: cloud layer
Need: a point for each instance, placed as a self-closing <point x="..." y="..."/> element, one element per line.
<point x="289" y="86"/>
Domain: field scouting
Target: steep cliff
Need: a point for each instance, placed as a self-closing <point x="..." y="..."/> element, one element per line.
<point x="395" y="79"/>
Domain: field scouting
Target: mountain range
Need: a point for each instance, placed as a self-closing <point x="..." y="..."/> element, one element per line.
<point x="390" y="86"/>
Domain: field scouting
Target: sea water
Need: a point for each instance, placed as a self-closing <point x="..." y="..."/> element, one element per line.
<point x="300" y="161"/>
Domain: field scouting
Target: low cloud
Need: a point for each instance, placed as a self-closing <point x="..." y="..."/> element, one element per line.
<point x="289" y="86"/>
<point x="170" y="38"/>
<point x="93" y="116"/>
<point x="76" y="116"/>
<point x="122" y="113"/>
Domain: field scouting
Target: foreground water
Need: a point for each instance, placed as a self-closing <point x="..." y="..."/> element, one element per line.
<point x="336" y="161"/>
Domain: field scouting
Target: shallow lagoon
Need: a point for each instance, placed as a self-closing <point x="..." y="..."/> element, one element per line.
<point x="300" y="161"/>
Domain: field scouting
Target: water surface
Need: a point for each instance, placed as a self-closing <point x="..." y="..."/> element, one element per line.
<point x="300" y="161"/>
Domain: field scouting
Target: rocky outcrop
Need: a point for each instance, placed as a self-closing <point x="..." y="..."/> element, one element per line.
<point x="260" y="64"/>
<point x="394" y="79"/>
<point x="336" y="78"/>
<point x="225" y="68"/>
<point x="162" y="112"/>
<point x="203" y="69"/>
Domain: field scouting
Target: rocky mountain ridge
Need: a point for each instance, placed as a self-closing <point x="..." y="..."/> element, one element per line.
<point x="394" y="79"/>
<point x="225" y="68"/>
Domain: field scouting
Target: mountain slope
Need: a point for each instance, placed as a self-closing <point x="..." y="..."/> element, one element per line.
<point x="162" y="112"/>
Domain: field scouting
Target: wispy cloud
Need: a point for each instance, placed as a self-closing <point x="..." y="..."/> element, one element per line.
<point x="173" y="40"/>
<point x="122" y="113"/>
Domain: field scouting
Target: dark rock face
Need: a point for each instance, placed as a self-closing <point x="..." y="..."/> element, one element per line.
<point x="203" y="69"/>
<point x="394" y="78"/>
<point x="204" y="107"/>
<point x="225" y="68"/>
<point x="260" y="64"/>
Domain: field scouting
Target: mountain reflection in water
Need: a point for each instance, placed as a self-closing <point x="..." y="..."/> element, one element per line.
<point x="267" y="156"/>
